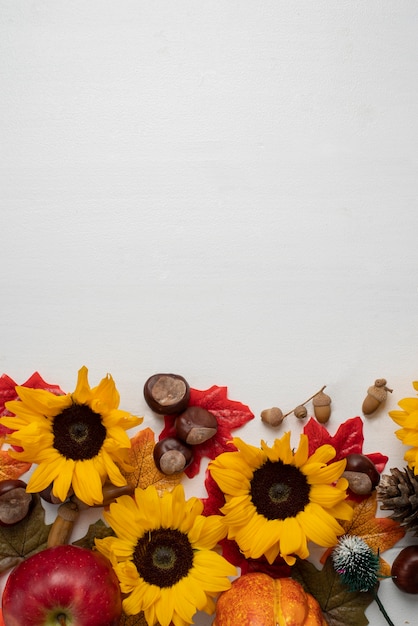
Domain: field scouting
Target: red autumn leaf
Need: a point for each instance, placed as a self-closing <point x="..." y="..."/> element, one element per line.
<point x="8" y="392"/>
<point x="230" y="415"/>
<point x="347" y="440"/>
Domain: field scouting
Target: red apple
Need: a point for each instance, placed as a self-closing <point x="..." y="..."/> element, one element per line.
<point x="62" y="586"/>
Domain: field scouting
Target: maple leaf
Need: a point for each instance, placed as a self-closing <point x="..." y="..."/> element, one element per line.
<point x="98" y="530"/>
<point x="341" y="607"/>
<point x="347" y="440"/>
<point x="11" y="468"/>
<point x="380" y="533"/>
<point x="229" y="414"/>
<point x="145" y="471"/>
<point x="21" y="540"/>
<point x="8" y="392"/>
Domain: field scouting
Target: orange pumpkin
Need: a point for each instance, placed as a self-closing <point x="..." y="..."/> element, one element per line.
<point x="256" y="599"/>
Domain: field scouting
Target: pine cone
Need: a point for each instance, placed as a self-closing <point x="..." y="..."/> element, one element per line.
<point x="399" y="493"/>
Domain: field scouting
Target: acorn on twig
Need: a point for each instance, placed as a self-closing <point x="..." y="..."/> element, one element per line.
<point x="322" y="407"/>
<point x="273" y="416"/>
<point x="376" y="394"/>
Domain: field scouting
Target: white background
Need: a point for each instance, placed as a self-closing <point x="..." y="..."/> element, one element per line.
<point x="225" y="190"/>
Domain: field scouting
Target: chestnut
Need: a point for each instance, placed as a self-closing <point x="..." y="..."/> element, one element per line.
<point x="362" y="463"/>
<point x="172" y="455"/>
<point x="167" y="393"/>
<point x="15" y="502"/>
<point x="405" y="569"/>
<point x="196" y="425"/>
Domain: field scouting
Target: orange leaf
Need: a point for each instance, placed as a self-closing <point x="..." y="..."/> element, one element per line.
<point x="146" y="472"/>
<point x="11" y="468"/>
<point x="1" y="618"/>
<point x="380" y="533"/>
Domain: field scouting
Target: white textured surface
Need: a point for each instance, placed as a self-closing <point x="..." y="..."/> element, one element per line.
<point x="226" y="190"/>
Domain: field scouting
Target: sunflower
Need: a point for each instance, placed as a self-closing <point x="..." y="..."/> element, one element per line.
<point x="76" y="439"/>
<point x="162" y="554"/>
<point x="408" y="434"/>
<point x="277" y="499"/>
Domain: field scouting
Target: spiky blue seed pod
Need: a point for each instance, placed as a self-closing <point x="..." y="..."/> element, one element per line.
<point x="356" y="563"/>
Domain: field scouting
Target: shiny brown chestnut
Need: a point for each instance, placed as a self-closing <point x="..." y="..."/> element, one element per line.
<point x="15" y="502"/>
<point x="167" y="393"/>
<point x="196" y="425"/>
<point x="172" y="455"/>
<point x="362" y="463"/>
<point x="405" y="569"/>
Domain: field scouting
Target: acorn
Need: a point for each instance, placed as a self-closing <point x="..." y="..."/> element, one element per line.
<point x="300" y="411"/>
<point x="322" y="407"/>
<point x="272" y="417"/>
<point x="376" y="394"/>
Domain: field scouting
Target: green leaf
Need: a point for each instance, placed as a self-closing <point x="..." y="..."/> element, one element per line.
<point x="98" y="530"/>
<point x="20" y="541"/>
<point x="341" y="607"/>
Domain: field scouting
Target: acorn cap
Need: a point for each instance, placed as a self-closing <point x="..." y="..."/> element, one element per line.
<point x="321" y="399"/>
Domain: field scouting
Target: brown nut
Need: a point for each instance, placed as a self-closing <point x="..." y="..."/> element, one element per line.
<point x="362" y="463"/>
<point x="358" y="482"/>
<point x="15" y="502"/>
<point x="322" y="407"/>
<point x="167" y="393"/>
<point x="376" y="394"/>
<point x="196" y="425"/>
<point x="172" y="455"/>
<point x="273" y="416"/>
<point x="300" y="411"/>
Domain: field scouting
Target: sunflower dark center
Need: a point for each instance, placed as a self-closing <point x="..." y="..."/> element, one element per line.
<point x="163" y="557"/>
<point x="78" y="432"/>
<point x="279" y="490"/>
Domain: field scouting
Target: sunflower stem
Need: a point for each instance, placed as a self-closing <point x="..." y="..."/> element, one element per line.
<point x="382" y="608"/>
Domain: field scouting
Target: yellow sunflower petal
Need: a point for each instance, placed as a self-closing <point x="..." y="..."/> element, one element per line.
<point x="319" y="526"/>
<point x="87" y="483"/>
<point x="82" y="393"/>
<point x="46" y="473"/>
<point x="39" y="401"/>
<point x="106" y="393"/>
<point x="231" y="482"/>
<point x="326" y="474"/>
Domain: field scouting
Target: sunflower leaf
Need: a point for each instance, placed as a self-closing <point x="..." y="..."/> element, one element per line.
<point x="20" y="541"/>
<point x="98" y="530"/>
<point x="341" y="607"/>
<point x="146" y="472"/>
<point x="229" y="414"/>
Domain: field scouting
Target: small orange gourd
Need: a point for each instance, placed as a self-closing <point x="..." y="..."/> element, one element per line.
<point x="256" y="599"/>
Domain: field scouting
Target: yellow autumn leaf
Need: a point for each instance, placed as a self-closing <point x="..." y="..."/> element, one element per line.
<point x="146" y="472"/>
<point x="380" y="533"/>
